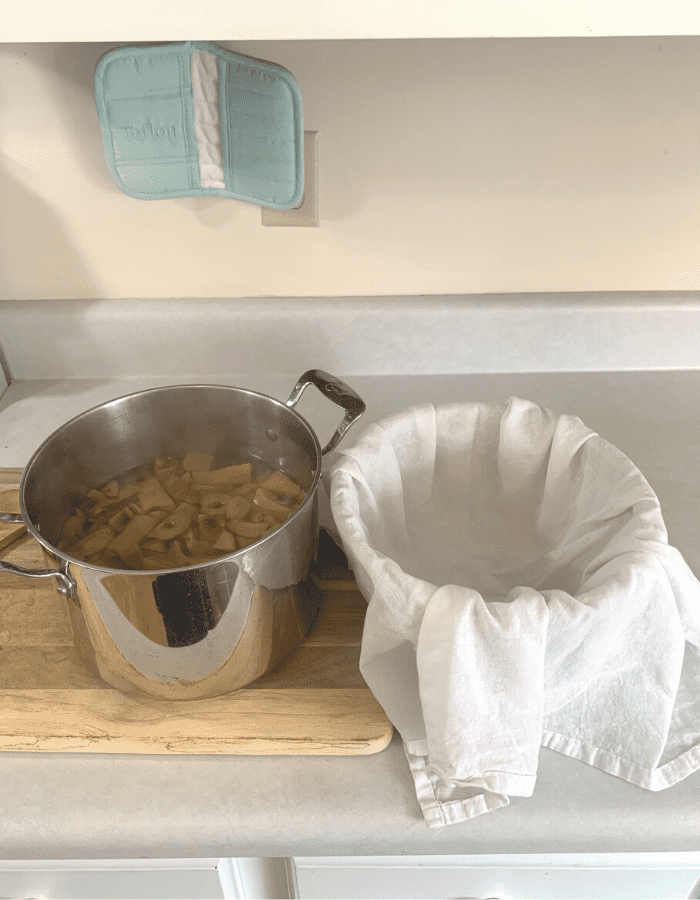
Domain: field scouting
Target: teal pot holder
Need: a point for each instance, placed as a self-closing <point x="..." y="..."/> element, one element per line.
<point x="191" y="119"/>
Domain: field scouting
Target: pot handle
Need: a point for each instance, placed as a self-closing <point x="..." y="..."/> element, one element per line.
<point x="337" y="391"/>
<point x="65" y="585"/>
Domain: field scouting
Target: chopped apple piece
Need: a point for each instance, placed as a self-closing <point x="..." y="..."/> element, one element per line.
<point x="176" y="557"/>
<point x="74" y="528"/>
<point x="135" y="531"/>
<point x="93" y="542"/>
<point x="197" y="548"/>
<point x="226" y="542"/>
<point x="131" y="556"/>
<point x="245" y="489"/>
<point x="201" y="490"/>
<point x="133" y="485"/>
<point x="238" y="507"/>
<point x="155" y="545"/>
<point x="230" y="475"/>
<point x="198" y="462"/>
<point x="176" y="485"/>
<point x="174" y="524"/>
<point x="121" y="519"/>
<point x="270" y="519"/>
<point x="266" y="502"/>
<point x="279" y="483"/>
<point x="111" y="489"/>
<point x="246" y="529"/>
<point x="152" y="496"/>
<point x="209" y="528"/>
<point x="108" y="560"/>
<point x="163" y="474"/>
<point x="160" y="463"/>
<point x="215" y="504"/>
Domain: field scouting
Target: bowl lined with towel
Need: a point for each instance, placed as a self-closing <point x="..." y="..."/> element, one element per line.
<point x="521" y="593"/>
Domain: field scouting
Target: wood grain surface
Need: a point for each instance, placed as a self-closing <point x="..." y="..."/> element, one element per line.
<point x="9" y="504"/>
<point x="314" y="702"/>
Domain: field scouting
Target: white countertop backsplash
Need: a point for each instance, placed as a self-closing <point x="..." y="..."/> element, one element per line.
<point x="629" y="367"/>
<point x="63" y="357"/>
<point x="434" y="335"/>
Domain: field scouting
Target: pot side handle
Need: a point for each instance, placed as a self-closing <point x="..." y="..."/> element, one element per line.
<point x="12" y="518"/>
<point x="65" y="585"/>
<point x="337" y="391"/>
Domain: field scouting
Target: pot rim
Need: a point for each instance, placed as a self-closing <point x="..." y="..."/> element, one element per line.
<point x="310" y="495"/>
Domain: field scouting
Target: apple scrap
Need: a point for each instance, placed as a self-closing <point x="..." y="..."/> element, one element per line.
<point x="177" y="514"/>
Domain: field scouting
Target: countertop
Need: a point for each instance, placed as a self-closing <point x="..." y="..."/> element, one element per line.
<point x="77" y="806"/>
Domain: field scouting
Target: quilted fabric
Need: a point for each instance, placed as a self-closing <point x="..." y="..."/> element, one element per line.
<point x="192" y="119"/>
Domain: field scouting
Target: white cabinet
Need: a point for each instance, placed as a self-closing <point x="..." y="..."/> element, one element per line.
<point x="626" y="876"/>
<point x="98" y="879"/>
<point x="144" y="20"/>
<point x="557" y="876"/>
<point x="175" y="879"/>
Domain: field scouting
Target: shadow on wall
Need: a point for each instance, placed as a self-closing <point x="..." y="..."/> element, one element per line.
<point x="72" y="68"/>
<point x="328" y="73"/>
<point x="37" y="258"/>
<point x="33" y="241"/>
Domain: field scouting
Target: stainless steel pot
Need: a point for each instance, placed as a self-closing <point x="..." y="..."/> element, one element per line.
<point x="197" y="631"/>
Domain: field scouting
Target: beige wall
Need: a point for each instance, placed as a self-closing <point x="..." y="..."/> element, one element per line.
<point x="445" y="167"/>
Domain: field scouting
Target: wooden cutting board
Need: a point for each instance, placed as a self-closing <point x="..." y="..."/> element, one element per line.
<point x="315" y="702"/>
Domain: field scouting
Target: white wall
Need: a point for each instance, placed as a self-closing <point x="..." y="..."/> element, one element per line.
<point x="456" y="166"/>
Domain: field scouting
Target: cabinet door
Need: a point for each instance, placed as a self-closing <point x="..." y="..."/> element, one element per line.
<point x="180" y="879"/>
<point x="546" y="877"/>
<point x="255" y="878"/>
<point x="245" y="878"/>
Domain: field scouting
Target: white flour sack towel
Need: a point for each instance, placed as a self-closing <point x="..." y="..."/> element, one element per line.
<point x="521" y="593"/>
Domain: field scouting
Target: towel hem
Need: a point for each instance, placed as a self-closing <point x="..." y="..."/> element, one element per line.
<point x="651" y="779"/>
<point x="438" y="813"/>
